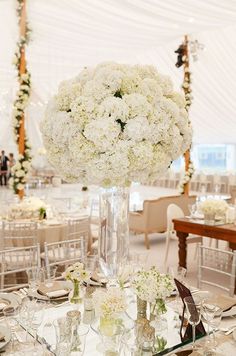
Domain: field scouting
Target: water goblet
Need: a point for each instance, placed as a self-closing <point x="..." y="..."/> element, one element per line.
<point x="78" y="339"/>
<point x="215" y="322"/>
<point x="193" y="311"/>
<point x="192" y="209"/>
<point x="11" y="315"/>
<point x="32" y="274"/>
<point x="50" y="274"/>
<point x="38" y="316"/>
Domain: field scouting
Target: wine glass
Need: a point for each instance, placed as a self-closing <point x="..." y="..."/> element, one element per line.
<point x="11" y="315"/>
<point x="215" y="322"/>
<point x="193" y="311"/>
<point x="38" y="315"/>
<point x="192" y="209"/>
<point x="50" y="275"/>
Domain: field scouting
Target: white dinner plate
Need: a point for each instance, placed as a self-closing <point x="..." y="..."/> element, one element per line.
<point x="230" y="312"/>
<point x="7" y="336"/>
<point x="10" y="299"/>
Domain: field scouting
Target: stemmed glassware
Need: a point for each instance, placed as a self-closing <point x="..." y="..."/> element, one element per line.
<point x="193" y="312"/>
<point x="192" y="209"/>
<point x="11" y="315"/>
<point x="215" y="322"/>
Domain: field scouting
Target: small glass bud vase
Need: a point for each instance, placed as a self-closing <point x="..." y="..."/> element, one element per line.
<point x="209" y="218"/>
<point x="158" y="315"/>
<point x="76" y="299"/>
<point x="141" y="308"/>
<point x="107" y="325"/>
<point x="88" y="300"/>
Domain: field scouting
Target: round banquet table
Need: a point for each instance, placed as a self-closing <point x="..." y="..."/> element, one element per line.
<point x="48" y="231"/>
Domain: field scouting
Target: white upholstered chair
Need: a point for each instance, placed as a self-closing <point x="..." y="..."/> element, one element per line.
<point x="153" y="217"/>
<point x="175" y="212"/>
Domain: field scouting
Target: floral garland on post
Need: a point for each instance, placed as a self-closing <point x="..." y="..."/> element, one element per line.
<point x="183" y="60"/>
<point x="187" y="177"/>
<point x="21" y="168"/>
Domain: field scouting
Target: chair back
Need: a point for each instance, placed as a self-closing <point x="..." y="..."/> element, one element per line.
<point x="64" y="253"/>
<point x="19" y="234"/>
<point x="79" y="228"/>
<point x="173" y="212"/>
<point x="14" y="263"/>
<point x="155" y="211"/>
<point x="219" y="265"/>
<point x="233" y="195"/>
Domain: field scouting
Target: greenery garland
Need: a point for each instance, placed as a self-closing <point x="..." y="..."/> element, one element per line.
<point x="20" y="170"/>
<point x="183" y="60"/>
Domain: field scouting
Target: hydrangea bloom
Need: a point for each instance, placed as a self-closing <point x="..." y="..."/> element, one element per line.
<point x="114" y="124"/>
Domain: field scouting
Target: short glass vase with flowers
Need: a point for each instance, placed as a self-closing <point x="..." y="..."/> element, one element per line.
<point x="110" y="306"/>
<point x="154" y="287"/>
<point x="212" y="209"/>
<point x="77" y="275"/>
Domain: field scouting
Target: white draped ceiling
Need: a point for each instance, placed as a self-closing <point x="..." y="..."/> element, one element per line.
<point x="70" y="34"/>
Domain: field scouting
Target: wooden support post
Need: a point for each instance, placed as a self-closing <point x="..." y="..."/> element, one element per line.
<point x="22" y="70"/>
<point x="186" y="78"/>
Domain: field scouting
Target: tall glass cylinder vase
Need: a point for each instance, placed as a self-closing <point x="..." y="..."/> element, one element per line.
<point x="113" y="243"/>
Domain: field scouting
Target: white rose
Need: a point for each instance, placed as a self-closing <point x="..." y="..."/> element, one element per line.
<point x="20" y="173"/>
<point x="20" y="186"/>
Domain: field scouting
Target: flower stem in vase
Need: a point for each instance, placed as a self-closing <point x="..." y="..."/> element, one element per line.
<point x="76" y="299"/>
<point x="107" y="326"/>
<point x="157" y="315"/>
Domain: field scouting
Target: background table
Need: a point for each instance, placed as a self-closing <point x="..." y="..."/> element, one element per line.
<point x="186" y="226"/>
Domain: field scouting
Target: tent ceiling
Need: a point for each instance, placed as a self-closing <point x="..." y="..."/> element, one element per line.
<point x="70" y="34"/>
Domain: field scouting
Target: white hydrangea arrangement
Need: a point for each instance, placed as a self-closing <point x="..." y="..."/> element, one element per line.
<point x="213" y="207"/>
<point x="109" y="303"/>
<point x="114" y="124"/>
<point x="29" y="208"/>
<point x="150" y="285"/>
<point x="187" y="177"/>
<point x="20" y="171"/>
<point x="76" y="273"/>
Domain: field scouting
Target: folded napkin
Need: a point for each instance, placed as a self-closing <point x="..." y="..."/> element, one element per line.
<point x="2" y="337"/>
<point x="55" y="291"/>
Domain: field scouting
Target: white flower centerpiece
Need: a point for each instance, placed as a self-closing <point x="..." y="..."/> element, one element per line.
<point x="77" y="275"/>
<point x="109" y="305"/>
<point x="153" y="287"/>
<point x="29" y="208"/>
<point x="109" y="126"/>
<point x="212" y="207"/>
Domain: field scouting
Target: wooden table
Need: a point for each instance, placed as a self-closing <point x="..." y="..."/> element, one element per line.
<point x="186" y="226"/>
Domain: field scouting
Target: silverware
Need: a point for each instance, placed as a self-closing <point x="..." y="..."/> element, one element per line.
<point x="230" y="330"/>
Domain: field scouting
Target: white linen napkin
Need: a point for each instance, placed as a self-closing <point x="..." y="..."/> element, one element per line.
<point x="57" y="293"/>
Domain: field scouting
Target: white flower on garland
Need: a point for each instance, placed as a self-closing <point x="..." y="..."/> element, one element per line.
<point x="109" y="303"/>
<point x="187" y="177"/>
<point x="213" y="206"/>
<point x="114" y="124"/>
<point x="151" y="285"/>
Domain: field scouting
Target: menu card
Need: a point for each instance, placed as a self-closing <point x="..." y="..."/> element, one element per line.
<point x="186" y="334"/>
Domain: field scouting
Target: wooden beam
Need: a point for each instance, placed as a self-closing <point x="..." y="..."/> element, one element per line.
<point x="22" y="70"/>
